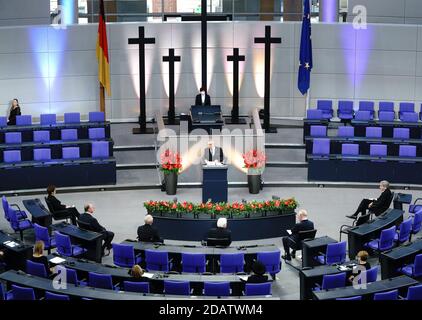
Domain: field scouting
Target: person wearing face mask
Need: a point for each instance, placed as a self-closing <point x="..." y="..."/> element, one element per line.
<point x="202" y="99"/>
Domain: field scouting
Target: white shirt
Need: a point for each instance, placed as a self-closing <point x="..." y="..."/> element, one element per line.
<point x="203" y="98"/>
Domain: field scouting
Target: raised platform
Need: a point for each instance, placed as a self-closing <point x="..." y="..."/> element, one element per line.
<point x="190" y="229"/>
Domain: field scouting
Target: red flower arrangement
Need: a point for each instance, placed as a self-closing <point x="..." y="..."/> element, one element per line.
<point x="254" y="160"/>
<point x="170" y="162"/>
<point x="228" y="209"/>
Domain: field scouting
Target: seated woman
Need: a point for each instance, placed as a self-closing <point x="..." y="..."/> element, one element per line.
<point x="39" y="257"/>
<point x="362" y="258"/>
<point x="14" y="111"/>
<point x="258" y="275"/>
<point x="59" y="210"/>
<point x="137" y="274"/>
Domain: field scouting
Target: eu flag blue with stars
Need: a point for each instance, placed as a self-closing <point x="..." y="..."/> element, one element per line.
<point x="305" y="60"/>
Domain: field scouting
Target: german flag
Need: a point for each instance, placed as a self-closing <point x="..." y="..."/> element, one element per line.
<point x="102" y="51"/>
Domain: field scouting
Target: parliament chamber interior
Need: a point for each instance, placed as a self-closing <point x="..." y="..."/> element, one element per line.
<point x="228" y="150"/>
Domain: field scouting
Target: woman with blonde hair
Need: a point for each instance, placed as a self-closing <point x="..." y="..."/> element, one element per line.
<point x="39" y="257"/>
<point x="137" y="274"/>
<point x="15" y="111"/>
<point x="362" y="258"/>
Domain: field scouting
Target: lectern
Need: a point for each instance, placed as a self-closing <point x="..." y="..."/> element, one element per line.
<point x="214" y="183"/>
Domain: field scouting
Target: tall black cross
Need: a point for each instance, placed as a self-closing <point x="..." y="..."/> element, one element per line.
<point x="141" y="41"/>
<point x="236" y="58"/>
<point x="204" y="42"/>
<point x="171" y="59"/>
<point x="267" y="40"/>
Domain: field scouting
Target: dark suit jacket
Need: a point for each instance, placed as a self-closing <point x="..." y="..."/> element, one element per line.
<point x="93" y="223"/>
<point x="382" y="203"/>
<point x="55" y="204"/>
<point x="219" y="233"/>
<point x="147" y="233"/>
<point x="13" y="114"/>
<point x="218" y="154"/>
<point x="304" y="225"/>
<point x="43" y="260"/>
<point x="256" y="278"/>
<point x="198" y="100"/>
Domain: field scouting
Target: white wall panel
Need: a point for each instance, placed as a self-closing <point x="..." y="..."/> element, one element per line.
<point x="387" y="37"/>
<point x="74" y="89"/>
<point x="400" y="63"/>
<point x="30" y="90"/>
<point x="23" y="65"/>
<point x="23" y="39"/>
<point x="386" y="87"/>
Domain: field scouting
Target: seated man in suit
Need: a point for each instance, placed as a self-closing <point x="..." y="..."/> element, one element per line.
<point x="220" y="236"/>
<point x="147" y="233"/>
<point x="290" y="241"/>
<point x="58" y="209"/>
<point x="377" y="206"/>
<point x="95" y="226"/>
<point x="202" y="99"/>
<point x="213" y="153"/>
<point x="258" y="275"/>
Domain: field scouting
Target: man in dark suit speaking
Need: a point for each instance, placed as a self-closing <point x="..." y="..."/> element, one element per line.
<point x="213" y="153"/>
<point x="202" y="99"/>
<point x="377" y="206"/>
<point x="294" y="237"/>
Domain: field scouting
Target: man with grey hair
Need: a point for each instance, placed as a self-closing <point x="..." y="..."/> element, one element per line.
<point x="376" y="206"/>
<point x="147" y="233"/>
<point x="220" y="236"/>
<point x="293" y="239"/>
<point x="213" y="153"/>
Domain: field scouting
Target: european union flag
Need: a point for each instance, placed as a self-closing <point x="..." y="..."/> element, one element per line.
<point x="306" y="64"/>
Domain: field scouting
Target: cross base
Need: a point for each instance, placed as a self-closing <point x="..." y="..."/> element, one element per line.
<point x="141" y="130"/>
<point x="174" y="122"/>
<point x="271" y="130"/>
<point x="235" y="121"/>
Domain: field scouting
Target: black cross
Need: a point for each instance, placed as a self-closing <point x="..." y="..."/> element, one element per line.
<point x="204" y="42"/>
<point x="171" y="59"/>
<point x="236" y="58"/>
<point x="141" y="41"/>
<point x="267" y="40"/>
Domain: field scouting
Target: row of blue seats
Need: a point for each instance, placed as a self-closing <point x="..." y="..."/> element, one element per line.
<point x="321" y="148"/>
<point x="50" y="119"/>
<point x="102" y="281"/>
<point x="99" y="150"/>
<point x="105" y="281"/>
<point x="366" y="111"/>
<point x="370" y="132"/>
<point x="43" y="136"/>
